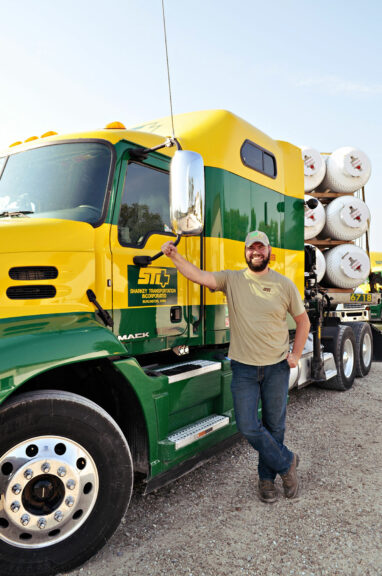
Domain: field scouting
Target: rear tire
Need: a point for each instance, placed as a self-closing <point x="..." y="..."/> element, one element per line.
<point x="342" y="345"/>
<point x="363" y="347"/>
<point x="66" y="478"/>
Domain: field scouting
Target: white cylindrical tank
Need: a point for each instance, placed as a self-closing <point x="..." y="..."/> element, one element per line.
<point x="314" y="219"/>
<point x="347" y="170"/>
<point x="347" y="266"/>
<point x="314" y="168"/>
<point x="347" y="218"/>
<point x="320" y="263"/>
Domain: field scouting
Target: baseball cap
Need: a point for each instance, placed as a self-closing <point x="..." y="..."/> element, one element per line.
<point x="256" y="236"/>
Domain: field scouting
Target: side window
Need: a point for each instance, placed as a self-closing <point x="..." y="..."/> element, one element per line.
<point x="145" y="204"/>
<point x="258" y="159"/>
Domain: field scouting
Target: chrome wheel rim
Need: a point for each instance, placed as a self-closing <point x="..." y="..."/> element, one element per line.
<point x="348" y="358"/>
<point x="48" y="488"/>
<point x="366" y="350"/>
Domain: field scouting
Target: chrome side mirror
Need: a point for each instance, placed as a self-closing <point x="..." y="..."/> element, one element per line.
<point x="187" y="193"/>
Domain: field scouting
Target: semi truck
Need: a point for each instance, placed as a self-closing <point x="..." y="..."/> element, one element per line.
<point x="114" y="368"/>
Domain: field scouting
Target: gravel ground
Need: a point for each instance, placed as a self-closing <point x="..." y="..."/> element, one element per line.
<point x="211" y="522"/>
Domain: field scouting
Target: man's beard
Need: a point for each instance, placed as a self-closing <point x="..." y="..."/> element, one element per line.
<point x="258" y="267"/>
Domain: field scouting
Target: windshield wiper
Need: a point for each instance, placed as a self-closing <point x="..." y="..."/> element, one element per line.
<point x="16" y="213"/>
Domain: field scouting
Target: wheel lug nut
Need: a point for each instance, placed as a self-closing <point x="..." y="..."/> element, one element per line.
<point x="69" y="501"/>
<point x="28" y="474"/>
<point x="15" y="506"/>
<point x="58" y="516"/>
<point x="45" y="467"/>
<point x="61" y="471"/>
<point x="25" y="519"/>
<point x="41" y="523"/>
<point x="16" y="489"/>
<point x="71" y="484"/>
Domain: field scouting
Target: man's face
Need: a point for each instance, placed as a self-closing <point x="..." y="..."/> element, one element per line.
<point x="257" y="256"/>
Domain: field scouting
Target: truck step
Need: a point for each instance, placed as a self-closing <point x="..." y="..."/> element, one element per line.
<point x="197" y="430"/>
<point x="183" y="370"/>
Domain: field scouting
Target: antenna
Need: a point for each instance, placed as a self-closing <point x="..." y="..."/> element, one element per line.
<point x="168" y="71"/>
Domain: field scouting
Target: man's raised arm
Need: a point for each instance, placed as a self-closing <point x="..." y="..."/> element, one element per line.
<point x="188" y="270"/>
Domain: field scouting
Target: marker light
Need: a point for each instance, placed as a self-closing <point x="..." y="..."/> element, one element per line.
<point x="115" y="126"/>
<point x="46" y="134"/>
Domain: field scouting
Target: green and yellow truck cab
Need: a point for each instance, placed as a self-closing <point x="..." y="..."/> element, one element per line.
<point x="373" y="285"/>
<point x="112" y="365"/>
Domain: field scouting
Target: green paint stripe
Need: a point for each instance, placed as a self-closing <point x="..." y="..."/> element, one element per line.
<point x="235" y="206"/>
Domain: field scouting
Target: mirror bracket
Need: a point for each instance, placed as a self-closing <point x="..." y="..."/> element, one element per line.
<point x="142" y="153"/>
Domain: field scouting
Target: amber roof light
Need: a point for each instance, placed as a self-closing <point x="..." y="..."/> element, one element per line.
<point x="115" y="126"/>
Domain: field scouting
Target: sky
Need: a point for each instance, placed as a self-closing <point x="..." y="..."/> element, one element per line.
<point x="305" y="72"/>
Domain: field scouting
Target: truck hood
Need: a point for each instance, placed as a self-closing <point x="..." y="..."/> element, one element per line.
<point x="23" y="234"/>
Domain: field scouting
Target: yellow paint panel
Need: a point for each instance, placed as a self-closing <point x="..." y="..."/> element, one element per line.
<point x="294" y="268"/>
<point x="42" y="234"/>
<point x="193" y="256"/>
<point x="376" y="261"/>
<point x="80" y="253"/>
<point x="227" y="254"/>
<point x="218" y="136"/>
<point x="294" y="170"/>
<point x="76" y="273"/>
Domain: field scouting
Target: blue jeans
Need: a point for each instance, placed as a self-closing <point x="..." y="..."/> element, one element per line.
<point x="270" y="384"/>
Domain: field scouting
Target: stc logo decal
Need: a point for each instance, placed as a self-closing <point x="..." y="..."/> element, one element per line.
<point x="152" y="286"/>
<point x="154" y="276"/>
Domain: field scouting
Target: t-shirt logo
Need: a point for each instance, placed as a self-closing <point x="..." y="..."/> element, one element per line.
<point x="266" y="290"/>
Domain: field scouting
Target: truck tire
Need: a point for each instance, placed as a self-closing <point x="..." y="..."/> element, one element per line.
<point x="363" y="347"/>
<point x="343" y="346"/>
<point x="66" y="479"/>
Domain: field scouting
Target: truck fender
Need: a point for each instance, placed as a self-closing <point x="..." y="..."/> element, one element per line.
<point x="32" y="345"/>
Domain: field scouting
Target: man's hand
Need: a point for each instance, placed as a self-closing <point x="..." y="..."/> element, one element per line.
<point x="292" y="360"/>
<point x="302" y="331"/>
<point x="189" y="270"/>
<point x="169" y="249"/>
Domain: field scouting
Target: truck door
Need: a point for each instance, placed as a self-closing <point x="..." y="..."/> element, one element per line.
<point x="155" y="308"/>
<point x="149" y="303"/>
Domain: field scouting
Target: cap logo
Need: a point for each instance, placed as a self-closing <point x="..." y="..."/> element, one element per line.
<point x="256" y="235"/>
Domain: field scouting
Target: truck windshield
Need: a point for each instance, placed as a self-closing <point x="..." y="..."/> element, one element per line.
<point x="66" y="181"/>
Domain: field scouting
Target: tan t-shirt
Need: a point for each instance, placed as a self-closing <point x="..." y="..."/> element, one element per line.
<point x="257" y="307"/>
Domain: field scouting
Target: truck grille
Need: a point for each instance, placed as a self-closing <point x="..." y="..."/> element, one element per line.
<point x="33" y="273"/>
<point x="30" y="292"/>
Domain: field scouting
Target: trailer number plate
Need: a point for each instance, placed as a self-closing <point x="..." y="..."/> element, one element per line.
<point x="361" y="297"/>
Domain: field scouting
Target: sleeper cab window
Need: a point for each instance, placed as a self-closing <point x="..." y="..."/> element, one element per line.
<point x="258" y="159"/>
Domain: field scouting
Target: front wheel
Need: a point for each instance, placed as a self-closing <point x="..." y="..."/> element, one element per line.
<point x="66" y="478"/>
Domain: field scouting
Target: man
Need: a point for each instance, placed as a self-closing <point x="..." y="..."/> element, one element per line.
<point x="258" y="301"/>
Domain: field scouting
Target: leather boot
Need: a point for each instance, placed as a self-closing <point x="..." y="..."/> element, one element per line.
<point x="290" y="480"/>
<point x="267" y="491"/>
